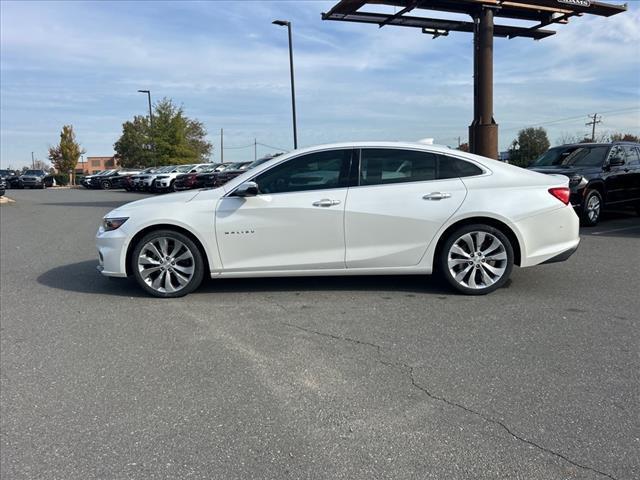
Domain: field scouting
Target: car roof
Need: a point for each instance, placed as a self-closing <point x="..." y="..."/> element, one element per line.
<point x="597" y="144"/>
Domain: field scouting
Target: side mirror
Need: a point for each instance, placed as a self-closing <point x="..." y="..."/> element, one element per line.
<point x="616" y="161"/>
<point x="247" y="189"/>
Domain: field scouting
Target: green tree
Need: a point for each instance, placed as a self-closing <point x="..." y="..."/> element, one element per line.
<point x="66" y="154"/>
<point x="530" y="144"/>
<point x="174" y="139"/>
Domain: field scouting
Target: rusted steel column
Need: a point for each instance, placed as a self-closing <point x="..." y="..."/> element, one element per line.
<point x="483" y="132"/>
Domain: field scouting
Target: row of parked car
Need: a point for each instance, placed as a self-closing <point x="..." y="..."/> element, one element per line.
<point x="171" y="178"/>
<point x="28" y="179"/>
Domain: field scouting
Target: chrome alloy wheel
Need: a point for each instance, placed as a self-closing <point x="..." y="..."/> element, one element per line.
<point x="477" y="260"/>
<point x="166" y="264"/>
<point x="593" y="208"/>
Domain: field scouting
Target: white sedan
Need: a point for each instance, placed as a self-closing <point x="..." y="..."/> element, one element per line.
<point x="347" y="209"/>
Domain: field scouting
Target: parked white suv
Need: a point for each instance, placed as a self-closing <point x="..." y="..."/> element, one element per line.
<point x="165" y="180"/>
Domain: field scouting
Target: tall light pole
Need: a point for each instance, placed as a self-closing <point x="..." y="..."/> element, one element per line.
<point x="286" y="23"/>
<point x="148" y="92"/>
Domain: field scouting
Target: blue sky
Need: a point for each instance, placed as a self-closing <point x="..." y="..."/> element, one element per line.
<point x="82" y="63"/>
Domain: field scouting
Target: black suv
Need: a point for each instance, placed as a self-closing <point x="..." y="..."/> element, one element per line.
<point x="35" y="179"/>
<point x="10" y="178"/>
<point x="600" y="174"/>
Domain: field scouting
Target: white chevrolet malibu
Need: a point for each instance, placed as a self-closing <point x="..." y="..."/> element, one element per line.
<point x="347" y="209"/>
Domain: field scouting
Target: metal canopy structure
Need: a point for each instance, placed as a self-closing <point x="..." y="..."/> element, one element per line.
<point x="483" y="131"/>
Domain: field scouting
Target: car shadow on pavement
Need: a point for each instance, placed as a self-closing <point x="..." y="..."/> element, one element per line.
<point x="615" y="223"/>
<point x="82" y="277"/>
<point x="423" y="284"/>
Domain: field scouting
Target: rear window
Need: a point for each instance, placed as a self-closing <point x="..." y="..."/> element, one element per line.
<point x="450" y="167"/>
<point x="388" y="165"/>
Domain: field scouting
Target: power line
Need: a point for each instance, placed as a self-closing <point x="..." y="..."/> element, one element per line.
<point x="239" y="146"/>
<point x="272" y="147"/>
<point x="561" y="120"/>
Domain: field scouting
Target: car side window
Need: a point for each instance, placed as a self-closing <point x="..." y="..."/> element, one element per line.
<point x="616" y="152"/>
<point x="632" y="155"/>
<point x="451" y="167"/>
<point x="314" y="171"/>
<point x="389" y="165"/>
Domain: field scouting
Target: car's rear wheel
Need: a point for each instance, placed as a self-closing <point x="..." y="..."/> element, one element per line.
<point x="476" y="259"/>
<point x="591" y="208"/>
<point x="167" y="264"/>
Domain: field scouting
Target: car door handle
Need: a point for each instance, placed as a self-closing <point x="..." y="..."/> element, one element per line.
<point x="436" y="196"/>
<point x="326" y="202"/>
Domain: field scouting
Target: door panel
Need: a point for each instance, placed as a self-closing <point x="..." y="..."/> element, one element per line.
<point x="615" y="178"/>
<point x="282" y="231"/>
<point x="391" y="225"/>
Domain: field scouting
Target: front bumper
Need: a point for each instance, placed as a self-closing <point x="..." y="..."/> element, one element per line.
<point x="112" y="252"/>
<point x="163" y="183"/>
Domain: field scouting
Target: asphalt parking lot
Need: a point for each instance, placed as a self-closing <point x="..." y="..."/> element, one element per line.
<point x="355" y="378"/>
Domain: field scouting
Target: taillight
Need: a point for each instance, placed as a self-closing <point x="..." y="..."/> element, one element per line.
<point x="561" y="193"/>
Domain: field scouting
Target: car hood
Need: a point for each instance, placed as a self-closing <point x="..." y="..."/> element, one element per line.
<point x="160" y="201"/>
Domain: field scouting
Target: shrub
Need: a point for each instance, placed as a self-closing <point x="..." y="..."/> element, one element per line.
<point x="61" y="178"/>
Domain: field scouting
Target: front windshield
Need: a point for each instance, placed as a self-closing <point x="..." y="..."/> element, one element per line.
<point x="208" y="168"/>
<point x="33" y="172"/>
<point x="184" y="168"/>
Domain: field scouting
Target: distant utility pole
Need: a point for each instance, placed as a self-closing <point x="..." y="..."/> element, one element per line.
<point x="255" y="149"/>
<point x="153" y="147"/>
<point x="595" y="119"/>
<point x="33" y="162"/>
<point x="221" y="145"/>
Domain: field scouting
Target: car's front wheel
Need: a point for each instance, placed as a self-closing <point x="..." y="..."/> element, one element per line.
<point x="167" y="264"/>
<point x="106" y="185"/>
<point x="476" y="259"/>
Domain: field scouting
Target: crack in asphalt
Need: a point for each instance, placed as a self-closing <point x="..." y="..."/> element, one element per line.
<point x="410" y="371"/>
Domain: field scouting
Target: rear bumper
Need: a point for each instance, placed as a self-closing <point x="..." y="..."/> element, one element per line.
<point x="561" y="257"/>
<point x="548" y="235"/>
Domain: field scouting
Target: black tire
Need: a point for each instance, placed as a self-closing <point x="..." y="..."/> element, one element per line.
<point x="197" y="262"/>
<point x="591" y="208"/>
<point x="172" y="186"/>
<point x="106" y="185"/>
<point x="477" y="266"/>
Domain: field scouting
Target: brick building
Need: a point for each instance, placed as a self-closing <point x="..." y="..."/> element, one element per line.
<point x="95" y="164"/>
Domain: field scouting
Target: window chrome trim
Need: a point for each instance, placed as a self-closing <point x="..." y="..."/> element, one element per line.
<point x="485" y="171"/>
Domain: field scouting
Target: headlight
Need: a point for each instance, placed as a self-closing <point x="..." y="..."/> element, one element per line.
<point x="113" y="223"/>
